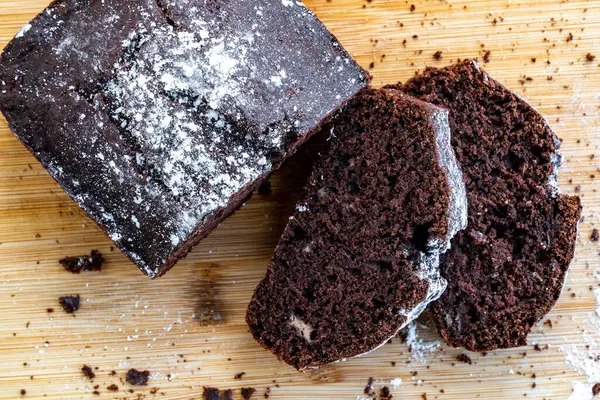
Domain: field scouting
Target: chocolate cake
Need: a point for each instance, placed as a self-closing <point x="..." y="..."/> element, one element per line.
<point x="359" y="258"/>
<point x="507" y="269"/>
<point x="160" y="117"/>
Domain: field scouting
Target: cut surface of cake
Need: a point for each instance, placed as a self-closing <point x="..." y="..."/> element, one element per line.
<point x="359" y="259"/>
<point x="507" y="269"/>
<point x="160" y="117"/>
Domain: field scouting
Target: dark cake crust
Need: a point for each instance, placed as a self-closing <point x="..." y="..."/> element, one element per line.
<point x="359" y="258"/>
<point x="507" y="269"/>
<point x="161" y="117"/>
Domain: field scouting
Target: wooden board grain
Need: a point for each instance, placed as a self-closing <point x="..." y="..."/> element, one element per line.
<point x="129" y="321"/>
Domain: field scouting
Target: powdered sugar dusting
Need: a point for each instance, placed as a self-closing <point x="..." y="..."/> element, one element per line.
<point x="419" y="348"/>
<point x="183" y="104"/>
<point x="396" y="382"/>
<point x="584" y="359"/>
<point x="23" y="31"/>
<point x="182" y="146"/>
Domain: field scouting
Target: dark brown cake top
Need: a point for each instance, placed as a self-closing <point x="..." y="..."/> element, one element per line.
<point x="152" y="115"/>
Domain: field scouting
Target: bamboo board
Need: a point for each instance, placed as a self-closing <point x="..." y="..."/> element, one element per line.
<point x="129" y="321"/>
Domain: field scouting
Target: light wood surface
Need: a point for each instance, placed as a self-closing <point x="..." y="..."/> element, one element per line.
<point x="128" y="321"/>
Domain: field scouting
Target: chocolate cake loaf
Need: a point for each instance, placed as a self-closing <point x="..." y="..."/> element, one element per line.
<point x="160" y="117"/>
<point x="507" y="269"/>
<point x="359" y="259"/>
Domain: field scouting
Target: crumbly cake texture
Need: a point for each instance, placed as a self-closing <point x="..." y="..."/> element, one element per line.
<point x="359" y="258"/>
<point x="507" y="269"/>
<point x="160" y="117"/>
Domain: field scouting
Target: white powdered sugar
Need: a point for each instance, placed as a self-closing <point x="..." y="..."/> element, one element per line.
<point x="419" y="348"/>
<point x="396" y="382"/>
<point x="458" y="214"/>
<point x="184" y="148"/>
<point x="585" y="359"/>
<point x="23" y="31"/>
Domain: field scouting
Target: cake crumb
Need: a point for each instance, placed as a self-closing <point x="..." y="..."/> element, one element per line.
<point x="595" y="235"/>
<point x="247" y="393"/>
<point x="385" y="393"/>
<point x="437" y="55"/>
<point x="75" y="265"/>
<point x="368" y="390"/>
<point x="464" y="358"/>
<point x="88" y="372"/>
<point x="69" y="303"/>
<point x="211" y="393"/>
<point x="112" y="388"/>
<point x="135" y="377"/>
<point x="486" y="56"/>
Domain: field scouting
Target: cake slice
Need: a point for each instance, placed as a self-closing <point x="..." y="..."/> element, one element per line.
<point x="359" y="259"/>
<point x="507" y="269"/>
<point x="161" y="117"/>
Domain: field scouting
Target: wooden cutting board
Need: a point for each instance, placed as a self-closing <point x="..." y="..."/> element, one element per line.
<point x="128" y="321"/>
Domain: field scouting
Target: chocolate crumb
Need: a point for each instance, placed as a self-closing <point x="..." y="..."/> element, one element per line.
<point x="50" y="310"/>
<point x="595" y="235"/>
<point x="437" y="55"/>
<point x="211" y="393"/>
<point x="75" y="265"/>
<point x="23" y="392"/>
<point x="385" y="393"/>
<point x="413" y="7"/>
<point x="239" y="376"/>
<point x="486" y="56"/>
<point x="590" y="57"/>
<point x="369" y="388"/>
<point x="135" y="377"/>
<point x="596" y="389"/>
<point x="464" y="358"/>
<point x="372" y="65"/>
<point x="247" y="393"/>
<point x="578" y="188"/>
<point x="112" y="388"/>
<point x="88" y="372"/>
<point x="69" y="303"/>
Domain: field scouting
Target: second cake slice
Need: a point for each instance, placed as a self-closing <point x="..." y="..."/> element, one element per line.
<point x="360" y="258"/>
